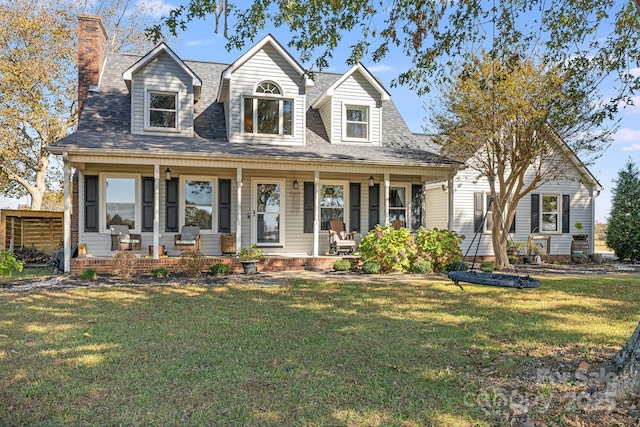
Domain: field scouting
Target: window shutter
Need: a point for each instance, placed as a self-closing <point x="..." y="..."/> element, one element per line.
<point x="374" y="206"/>
<point x="91" y="210"/>
<point x="308" y="207"/>
<point x="147" y="203"/>
<point x="171" y="205"/>
<point x="535" y="213"/>
<point x="354" y="204"/>
<point x="224" y="207"/>
<point x="478" y="211"/>
<point x="566" y="207"/>
<point x="417" y="202"/>
<point x="512" y="228"/>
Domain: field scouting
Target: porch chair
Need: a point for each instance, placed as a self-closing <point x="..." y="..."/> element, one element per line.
<point x="122" y="240"/>
<point x="189" y="238"/>
<point x="397" y="224"/>
<point x="340" y="242"/>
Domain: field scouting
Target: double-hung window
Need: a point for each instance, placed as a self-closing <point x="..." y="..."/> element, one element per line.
<point x="331" y="204"/>
<point x="120" y="201"/>
<point x="162" y="110"/>
<point x="268" y="112"/>
<point x="198" y="203"/>
<point x="357" y="122"/>
<point x="398" y="204"/>
<point x="550" y="210"/>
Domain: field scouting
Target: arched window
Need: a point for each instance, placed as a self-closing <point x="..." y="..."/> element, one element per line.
<point x="267" y="111"/>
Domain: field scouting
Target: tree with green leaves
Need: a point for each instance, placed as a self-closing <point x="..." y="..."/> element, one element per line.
<point x="623" y="233"/>
<point x="38" y="83"/>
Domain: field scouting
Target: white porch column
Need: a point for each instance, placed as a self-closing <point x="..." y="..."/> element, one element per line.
<point x="238" y="208"/>
<point x="67" y="212"/>
<point x="387" y="187"/>
<point x="450" y="225"/>
<point x="424" y="204"/>
<point x="156" y="210"/>
<point x="316" y="210"/>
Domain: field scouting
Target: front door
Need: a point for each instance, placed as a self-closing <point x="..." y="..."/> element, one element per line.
<point x="267" y="221"/>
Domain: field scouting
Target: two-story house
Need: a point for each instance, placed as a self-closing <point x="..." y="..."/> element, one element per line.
<point x="256" y="149"/>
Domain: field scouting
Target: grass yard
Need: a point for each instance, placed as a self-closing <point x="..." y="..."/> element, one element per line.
<point x="303" y="353"/>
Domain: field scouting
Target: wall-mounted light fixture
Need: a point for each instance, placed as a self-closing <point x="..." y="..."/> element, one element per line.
<point x="295" y="184"/>
<point x="445" y="187"/>
<point x="167" y="174"/>
<point x="371" y="181"/>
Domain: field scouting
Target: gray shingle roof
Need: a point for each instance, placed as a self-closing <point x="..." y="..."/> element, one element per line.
<point x="105" y="126"/>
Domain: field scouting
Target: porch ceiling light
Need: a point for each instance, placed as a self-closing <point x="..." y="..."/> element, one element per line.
<point x="371" y="181"/>
<point x="167" y="174"/>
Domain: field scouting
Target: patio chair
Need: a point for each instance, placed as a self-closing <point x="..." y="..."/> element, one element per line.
<point x="397" y="224"/>
<point x="122" y="240"/>
<point x="189" y="238"/>
<point x="340" y="242"/>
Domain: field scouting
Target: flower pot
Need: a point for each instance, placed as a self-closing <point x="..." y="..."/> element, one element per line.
<point x="596" y="258"/>
<point x="250" y="267"/>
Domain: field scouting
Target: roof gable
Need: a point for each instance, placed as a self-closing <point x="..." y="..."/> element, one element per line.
<point x="267" y="40"/>
<point x="127" y="75"/>
<point x="358" y="68"/>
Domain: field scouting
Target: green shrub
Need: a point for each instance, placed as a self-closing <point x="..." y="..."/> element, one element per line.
<point x="219" y="268"/>
<point x="392" y="249"/>
<point x="123" y="264"/>
<point x="9" y="264"/>
<point x="440" y="247"/>
<point x="342" y="265"/>
<point x="88" y="274"/>
<point x="191" y="263"/>
<point x="421" y="267"/>
<point x="487" y="266"/>
<point x="371" y="267"/>
<point x="454" y="266"/>
<point x="160" y="272"/>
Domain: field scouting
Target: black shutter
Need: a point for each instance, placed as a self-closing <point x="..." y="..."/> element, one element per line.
<point x="535" y="213"/>
<point x="354" y="205"/>
<point x="417" y="203"/>
<point x="147" y="203"/>
<point x="91" y="222"/>
<point x="566" y="207"/>
<point x="308" y="207"/>
<point x="171" y="205"/>
<point x="478" y="211"/>
<point x="512" y="228"/>
<point x="374" y="206"/>
<point x="224" y="207"/>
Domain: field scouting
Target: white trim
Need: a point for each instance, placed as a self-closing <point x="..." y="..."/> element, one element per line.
<point x="367" y="108"/>
<point x="346" y="201"/>
<point x="408" y="201"/>
<point x="282" y="213"/>
<point x="558" y="214"/>
<point x="148" y="90"/>
<point x="214" y="200"/>
<point x="102" y="208"/>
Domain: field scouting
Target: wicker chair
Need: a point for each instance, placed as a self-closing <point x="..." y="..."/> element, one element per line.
<point x="188" y="239"/>
<point x="123" y="240"/>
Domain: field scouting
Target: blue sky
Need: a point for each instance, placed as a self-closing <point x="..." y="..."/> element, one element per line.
<point x="199" y="42"/>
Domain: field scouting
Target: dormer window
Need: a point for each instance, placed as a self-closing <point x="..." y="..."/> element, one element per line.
<point x="357" y="122"/>
<point x="268" y="112"/>
<point x="162" y="110"/>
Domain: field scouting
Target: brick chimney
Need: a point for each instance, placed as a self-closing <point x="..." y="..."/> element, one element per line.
<point x="92" y="51"/>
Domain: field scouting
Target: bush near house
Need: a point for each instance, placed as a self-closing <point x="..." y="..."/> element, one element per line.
<point x="400" y="251"/>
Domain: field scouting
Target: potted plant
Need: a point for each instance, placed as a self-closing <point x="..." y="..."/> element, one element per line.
<point x="249" y="258"/>
<point x="513" y="248"/>
<point x="580" y="236"/>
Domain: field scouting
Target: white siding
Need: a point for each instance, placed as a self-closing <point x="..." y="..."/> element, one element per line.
<point x="437" y="214"/>
<point x="580" y="210"/>
<point x="355" y="91"/>
<point x="162" y="74"/>
<point x="266" y="64"/>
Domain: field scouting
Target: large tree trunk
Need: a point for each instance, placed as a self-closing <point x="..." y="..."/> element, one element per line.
<point x="626" y="365"/>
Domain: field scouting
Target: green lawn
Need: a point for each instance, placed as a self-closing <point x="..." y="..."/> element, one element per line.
<point x="298" y="353"/>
